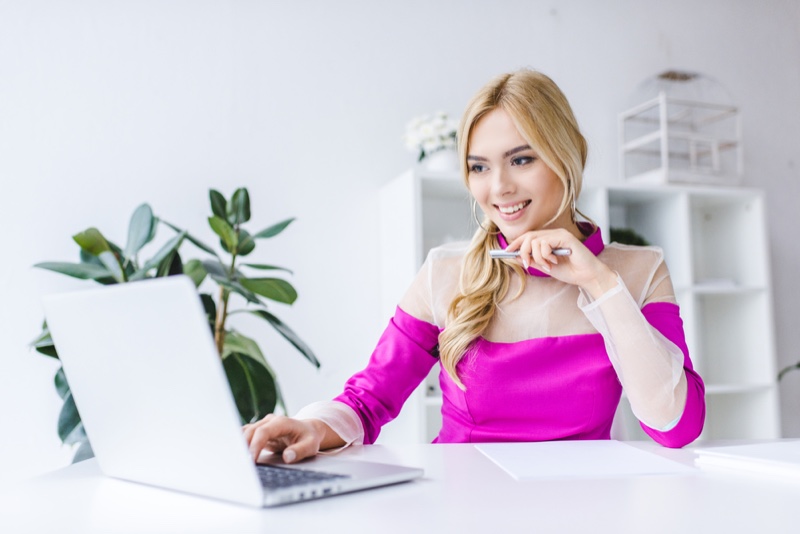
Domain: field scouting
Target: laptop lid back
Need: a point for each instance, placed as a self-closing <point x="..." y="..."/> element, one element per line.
<point x="153" y="396"/>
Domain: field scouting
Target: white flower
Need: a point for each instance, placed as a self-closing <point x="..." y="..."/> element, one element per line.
<point x="429" y="133"/>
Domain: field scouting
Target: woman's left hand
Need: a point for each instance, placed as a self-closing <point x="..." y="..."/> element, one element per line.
<point x="581" y="267"/>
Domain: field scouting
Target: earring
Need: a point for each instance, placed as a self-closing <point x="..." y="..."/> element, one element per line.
<point x="574" y="210"/>
<point x="477" y="221"/>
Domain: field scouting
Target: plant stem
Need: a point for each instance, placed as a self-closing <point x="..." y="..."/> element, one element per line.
<point x="222" y="314"/>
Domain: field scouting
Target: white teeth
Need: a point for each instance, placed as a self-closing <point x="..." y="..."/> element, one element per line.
<point x="513" y="209"/>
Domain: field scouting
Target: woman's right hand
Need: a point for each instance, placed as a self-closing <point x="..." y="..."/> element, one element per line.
<point x="295" y="439"/>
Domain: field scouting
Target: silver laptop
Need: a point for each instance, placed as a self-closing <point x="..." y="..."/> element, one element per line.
<point x="156" y="405"/>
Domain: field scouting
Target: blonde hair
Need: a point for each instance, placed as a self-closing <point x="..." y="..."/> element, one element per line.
<point x="543" y="117"/>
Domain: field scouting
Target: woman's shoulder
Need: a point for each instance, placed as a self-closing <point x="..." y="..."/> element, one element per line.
<point x="638" y="266"/>
<point x="447" y="253"/>
<point x="633" y="256"/>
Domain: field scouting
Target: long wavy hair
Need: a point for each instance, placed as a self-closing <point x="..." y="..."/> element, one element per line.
<point x="544" y="118"/>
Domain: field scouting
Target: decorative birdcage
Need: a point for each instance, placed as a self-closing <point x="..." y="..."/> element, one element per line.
<point x="683" y="128"/>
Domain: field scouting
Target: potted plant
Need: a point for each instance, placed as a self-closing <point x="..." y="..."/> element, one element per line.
<point x="252" y="380"/>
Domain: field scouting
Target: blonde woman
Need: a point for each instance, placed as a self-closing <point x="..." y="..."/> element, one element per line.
<point x="533" y="348"/>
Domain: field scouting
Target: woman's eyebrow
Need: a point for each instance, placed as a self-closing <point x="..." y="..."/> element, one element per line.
<point x="505" y="155"/>
<point x="515" y="150"/>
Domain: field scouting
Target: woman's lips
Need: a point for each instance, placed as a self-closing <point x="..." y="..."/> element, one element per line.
<point x="511" y="212"/>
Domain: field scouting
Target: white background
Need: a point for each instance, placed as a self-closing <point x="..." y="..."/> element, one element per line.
<point x="107" y="104"/>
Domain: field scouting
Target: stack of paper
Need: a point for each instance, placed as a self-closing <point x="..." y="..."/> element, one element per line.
<point x="769" y="458"/>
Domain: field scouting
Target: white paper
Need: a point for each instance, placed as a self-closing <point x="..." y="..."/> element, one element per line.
<point x="578" y="459"/>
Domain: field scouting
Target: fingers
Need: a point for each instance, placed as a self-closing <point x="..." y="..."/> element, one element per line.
<point x="304" y="448"/>
<point x="535" y="250"/>
<point x="294" y="439"/>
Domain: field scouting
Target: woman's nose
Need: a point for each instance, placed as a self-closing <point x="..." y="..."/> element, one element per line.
<point x="501" y="182"/>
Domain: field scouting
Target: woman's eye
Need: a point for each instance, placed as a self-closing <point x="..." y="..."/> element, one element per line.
<point x="477" y="167"/>
<point x="522" y="160"/>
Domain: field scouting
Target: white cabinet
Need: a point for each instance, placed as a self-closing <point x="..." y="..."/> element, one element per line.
<point x="715" y="245"/>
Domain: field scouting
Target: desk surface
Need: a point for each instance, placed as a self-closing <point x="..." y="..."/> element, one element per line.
<point x="462" y="491"/>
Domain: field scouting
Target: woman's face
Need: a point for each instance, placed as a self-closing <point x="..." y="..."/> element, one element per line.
<point x="513" y="187"/>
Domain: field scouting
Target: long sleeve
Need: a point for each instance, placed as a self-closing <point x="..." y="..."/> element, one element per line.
<point x="648" y="351"/>
<point x="401" y="360"/>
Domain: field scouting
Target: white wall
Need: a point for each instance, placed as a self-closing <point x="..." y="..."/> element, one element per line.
<point x="104" y="105"/>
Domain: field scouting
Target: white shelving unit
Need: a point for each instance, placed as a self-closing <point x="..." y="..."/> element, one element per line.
<point x="715" y="245"/>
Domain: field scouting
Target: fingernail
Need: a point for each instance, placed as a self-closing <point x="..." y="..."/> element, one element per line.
<point x="289" y="456"/>
<point x="525" y="263"/>
<point x="545" y="268"/>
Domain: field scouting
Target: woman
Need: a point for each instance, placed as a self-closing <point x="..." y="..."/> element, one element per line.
<point x="532" y="348"/>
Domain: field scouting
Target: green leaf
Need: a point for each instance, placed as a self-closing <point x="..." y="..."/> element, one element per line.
<point x="272" y="288"/>
<point x="210" y="308"/>
<point x="264" y="267"/>
<point x="88" y="259"/>
<point x="44" y="343"/>
<point x="169" y="247"/>
<point x="226" y="233"/>
<point x="240" y="206"/>
<point x="253" y="386"/>
<point x="92" y="241"/>
<point x="68" y="419"/>
<point x="246" y="243"/>
<point x="78" y="435"/>
<point x="84" y="452"/>
<point x="219" y="273"/>
<point x="274" y="230"/>
<point x="194" y="269"/>
<point x="237" y="288"/>
<point x="170" y="266"/>
<point x="236" y="342"/>
<point x="215" y="268"/>
<point x="219" y="206"/>
<point x="60" y="381"/>
<point x="199" y="244"/>
<point x="140" y="230"/>
<point x="111" y="262"/>
<point x="288" y="334"/>
<point x="84" y="271"/>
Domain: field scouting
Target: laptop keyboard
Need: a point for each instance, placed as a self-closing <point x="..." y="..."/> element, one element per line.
<point x="275" y="477"/>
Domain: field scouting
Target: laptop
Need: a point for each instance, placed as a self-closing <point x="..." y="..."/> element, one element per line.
<point x="157" y="408"/>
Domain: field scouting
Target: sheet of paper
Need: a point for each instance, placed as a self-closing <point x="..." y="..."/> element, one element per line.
<point x="578" y="459"/>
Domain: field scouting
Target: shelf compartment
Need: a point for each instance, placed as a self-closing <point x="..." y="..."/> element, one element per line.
<point x="731" y="333"/>
<point x="742" y="415"/>
<point x="446" y="213"/>
<point x="661" y="218"/>
<point x="729" y="239"/>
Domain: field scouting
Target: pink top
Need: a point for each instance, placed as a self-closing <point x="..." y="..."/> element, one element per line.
<point x="543" y="388"/>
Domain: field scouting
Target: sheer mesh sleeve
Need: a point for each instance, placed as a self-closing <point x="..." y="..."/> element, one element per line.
<point x="339" y="417"/>
<point x="649" y="366"/>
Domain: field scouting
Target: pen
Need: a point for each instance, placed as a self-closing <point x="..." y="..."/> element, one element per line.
<point x="499" y="253"/>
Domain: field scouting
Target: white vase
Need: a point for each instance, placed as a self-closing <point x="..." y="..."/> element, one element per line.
<point x="441" y="161"/>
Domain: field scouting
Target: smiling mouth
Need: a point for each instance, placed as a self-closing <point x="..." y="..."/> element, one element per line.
<point x="508" y="210"/>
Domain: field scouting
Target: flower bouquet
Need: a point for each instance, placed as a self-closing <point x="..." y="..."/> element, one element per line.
<point x="430" y="133"/>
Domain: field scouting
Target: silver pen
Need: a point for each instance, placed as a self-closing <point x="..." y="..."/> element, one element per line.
<point x="500" y="253"/>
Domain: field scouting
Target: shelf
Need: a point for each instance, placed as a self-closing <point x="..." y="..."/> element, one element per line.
<point x="723" y="289"/>
<point x="433" y="400"/>
<point x="734" y="389"/>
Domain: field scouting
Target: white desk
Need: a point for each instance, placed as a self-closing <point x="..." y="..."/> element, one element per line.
<point x="462" y="491"/>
